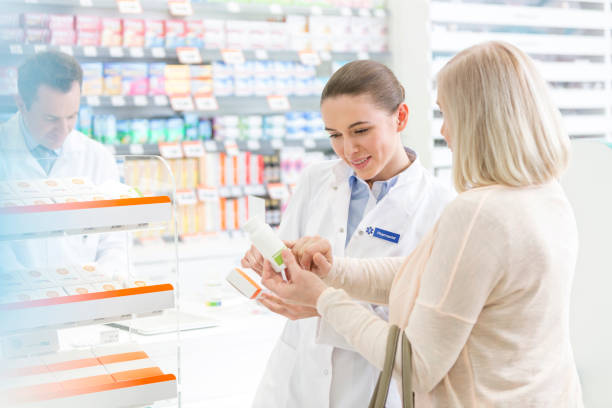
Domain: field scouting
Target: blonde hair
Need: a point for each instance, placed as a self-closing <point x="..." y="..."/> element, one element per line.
<point x="504" y="126"/>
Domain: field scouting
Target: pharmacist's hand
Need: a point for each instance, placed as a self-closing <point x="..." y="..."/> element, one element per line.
<point x="303" y="287"/>
<point x="314" y="254"/>
<point x="253" y="259"/>
<point x="289" y="310"/>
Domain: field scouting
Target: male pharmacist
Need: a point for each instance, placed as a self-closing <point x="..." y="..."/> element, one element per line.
<point x="40" y="142"/>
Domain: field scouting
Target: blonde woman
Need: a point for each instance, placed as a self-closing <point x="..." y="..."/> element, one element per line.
<point x="484" y="298"/>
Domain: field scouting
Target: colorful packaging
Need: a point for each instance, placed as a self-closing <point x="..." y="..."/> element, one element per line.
<point x="37" y="36"/>
<point x="157" y="130"/>
<point x="88" y="38"/>
<point x="62" y="37"/>
<point x="113" y="78"/>
<point x="87" y="23"/>
<point x="61" y="22"/>
<point x="176" y="130"/>
<point x="111" y="32"/>
<point x="93" y="78"/>
<point x="154" y="33"/>
<point x="133" y="33"/>
<point x="139" y="131"/>
<point x="175" y="33"/>
<point x="34" y="20"/>
<point x="135" y="80"/>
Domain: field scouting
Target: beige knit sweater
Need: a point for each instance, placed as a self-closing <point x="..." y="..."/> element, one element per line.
<point x="484" y="300"/>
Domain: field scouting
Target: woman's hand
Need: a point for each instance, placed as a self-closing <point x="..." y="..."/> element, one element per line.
<point x="289" y="310"/>
<point x="306" y="249"/>
<point x="302" y="287"/>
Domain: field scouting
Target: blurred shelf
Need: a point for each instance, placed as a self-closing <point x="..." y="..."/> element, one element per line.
<point x="170" y="54"/>
<point x="48" y="220"/>
<point x="94" y="307"/>
<point x="216" y="8"/>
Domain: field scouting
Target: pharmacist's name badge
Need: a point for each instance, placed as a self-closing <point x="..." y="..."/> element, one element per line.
<point x="383" y="234"/>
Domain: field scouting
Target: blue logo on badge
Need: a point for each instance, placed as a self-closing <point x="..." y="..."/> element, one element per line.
<point x="369" y="230"/>
<point x="386" y="235"/>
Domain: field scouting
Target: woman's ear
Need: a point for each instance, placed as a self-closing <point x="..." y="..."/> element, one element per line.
<point x="402" y="117"/>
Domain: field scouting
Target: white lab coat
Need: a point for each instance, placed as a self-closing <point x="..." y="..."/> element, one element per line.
<point x="311" y="365"/>
<point x="81" y="157"/>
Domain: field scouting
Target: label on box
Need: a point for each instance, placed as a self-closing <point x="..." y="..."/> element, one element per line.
<point x="116" y="52"/>
<point x="210" y="146"/>
<point x="278" y="103"/>
<point x="182" y="103"/>
<point x="276" y="144"/>
<point x="255" y="190"/>
<point x="93" y="100"/>
<point x="309" y="58"/>
<point x="346" y="12"/>
<point x="236" y="191"/>
<point x="189" y="55"/>
<point x="66" y="49"/>
<point x="261" y="54"/>
<point x="253" y="145"/>
<point x="118" y="100"/>
<point x="16" y="49"/>
<point x="363" y="55"/>
<point x="231" y="148"/>
<point x="193" y="148"/>
<point x="310" y="143"/>
<point x="180" y="8"/>
<point x="136" y="52"/>
<point x="224" y="191"/>
<point x="136" y="149"/>
<point x="158" y="52"/>
<point x="90" y="51"/>
<point x="278" y="191"/>
<point x="232" y="56"/>
<point x="233" y="7"/>
<point x="208" y="194"/>
<point x="141" y="100"/>
<point x="170" y="150"/>
<point x="160" y="100"/>
<point x="186" y="197"/>
<point x="38" y="48"/>
<point x="129" y="6"/>
<point x="206" y="103"/>
<point x="276" y="9"/>
<point x="316" y="11"/>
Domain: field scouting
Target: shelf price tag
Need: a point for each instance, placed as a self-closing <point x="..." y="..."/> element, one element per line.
<point x="236" y="191"/>
<point x="90" y="51"/>
<point x="261" y="54"/>
<point x="309" y="143"/>
<point x="255" y="190"/>
<point x="193" y="148"/>
<point x="180" y="8"/>
<point x="93" y="100"/>
<point x="363" y="55"/>
<point x="186" y="197"/>
<point x="116" y="52"/>
<point x="208" y="194"/>
<point x="16" y="49"/>
<point x="160" y="100"/>
<point x="233" y="7"/>
<point x="276" y="9"/>
<point x="136" y="149"/>
<point x="118" y="100"/>
<point x="206" y="103"/>
<point x="232" y="56"/>
<point x="66" y="49"/>
<point x="231" y="148"/>
<point x="276" y="144"/>
<point x="189" y="55"/>
<point x="158" y="52"/>
<point x="38" y="48"/>
<point x="278" y="103"/>
<point x="170" y="150"/>
<point x="316" y="11"/>
<point x="136" y="52"/>
<point x="253" y="145"/>
<point x="278" y="191"/>
<point x="310" y="58"/>
<point x="181" y="103"/>
<point x="141" y="100"/>
<point x="210" y="146"/>
<point x="129" y="6"/>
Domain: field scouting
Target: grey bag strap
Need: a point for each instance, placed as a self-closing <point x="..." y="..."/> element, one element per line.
<point x="379" y="396"/>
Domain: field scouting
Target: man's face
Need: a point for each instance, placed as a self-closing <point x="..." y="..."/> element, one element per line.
<point x="52" y="115"/>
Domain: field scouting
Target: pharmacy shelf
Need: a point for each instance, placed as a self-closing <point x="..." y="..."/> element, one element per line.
<point x="97" y="307"/>
<point x="160" y="106"/>
<point x="170" y="54"/>
<point x="179" y="150"/>
<point x="215" y="9"/>
<point x="34" y="221"/>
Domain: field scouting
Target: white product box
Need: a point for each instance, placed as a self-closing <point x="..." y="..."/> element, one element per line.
<point x="106" y="286"/>
<point x="79" y="185"/>
<point x="67" y="199"/>
<point x="37" y="201"/>
<point x="243" y="283"/>
<point x="65" y="276"/>
<point x="11" y="203"/>
<point x="90" y="273"/>
<point x="38" y="278"/>
<point x="12" y="281"/>
<point x="26" y="188"/>
<point x="51" y="293"/>
<point x="81" y="289"/>
<point x="53" y="187"/>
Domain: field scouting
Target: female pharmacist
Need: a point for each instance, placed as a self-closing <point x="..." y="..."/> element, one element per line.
<point x="484" y="298"/>
<point x="376" y="200"/>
